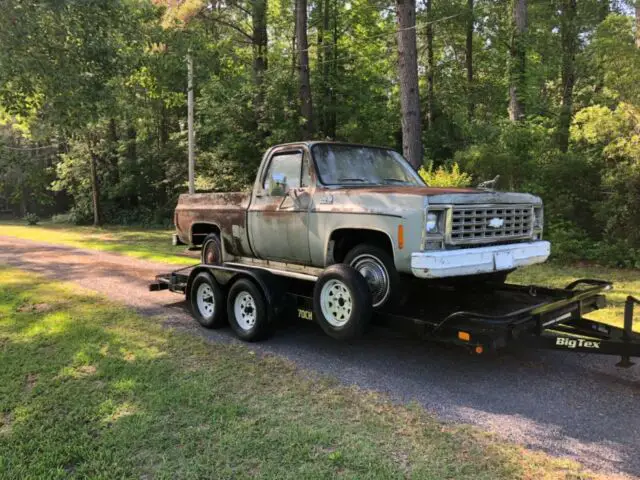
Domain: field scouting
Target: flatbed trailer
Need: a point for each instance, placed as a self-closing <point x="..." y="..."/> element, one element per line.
<point x="481" y="319"/>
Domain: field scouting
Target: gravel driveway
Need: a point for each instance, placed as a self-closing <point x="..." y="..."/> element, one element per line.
<point x="581" y="407"/>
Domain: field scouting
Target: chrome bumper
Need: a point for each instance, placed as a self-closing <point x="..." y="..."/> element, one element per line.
<point x="472" y="261"/>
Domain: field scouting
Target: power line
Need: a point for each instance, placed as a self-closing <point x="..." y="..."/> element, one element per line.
<point x="26" y="149"/>
<point x="395" y="31"/>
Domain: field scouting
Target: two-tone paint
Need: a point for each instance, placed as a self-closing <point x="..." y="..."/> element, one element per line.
<point x="301" y="227"/>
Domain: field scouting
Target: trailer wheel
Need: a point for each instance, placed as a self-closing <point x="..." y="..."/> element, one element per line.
<point x="378" y="269"/>
<point x="342" y="302"/>
<point x="247" y="311"/>
<point x="211" y="250"/>
<point x="207" y="301"/>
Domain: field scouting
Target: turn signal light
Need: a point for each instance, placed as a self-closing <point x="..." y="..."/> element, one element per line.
<point x="464" y="336"/>
<point x="400" y="236"/>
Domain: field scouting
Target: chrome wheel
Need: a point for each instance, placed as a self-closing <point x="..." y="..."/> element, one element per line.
<point x="376" y="275"/>
<point x="244" y="308"/>
<point x="205" y="300"/>
<point x="336" y="303"/>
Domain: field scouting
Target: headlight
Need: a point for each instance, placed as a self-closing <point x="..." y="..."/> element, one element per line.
<point x="538" y="217"/>
<point x="433" y="222"/>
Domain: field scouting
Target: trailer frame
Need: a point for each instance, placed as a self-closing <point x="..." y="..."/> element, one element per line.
<point x="479" y="320"/>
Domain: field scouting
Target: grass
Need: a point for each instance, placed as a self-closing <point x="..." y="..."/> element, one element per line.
<point x="148" y="244"/>
<point x="90" y="389"/>
<point x="625" y="283"/>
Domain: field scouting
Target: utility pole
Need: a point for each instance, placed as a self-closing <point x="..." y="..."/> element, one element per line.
<point x="192" y="160"/>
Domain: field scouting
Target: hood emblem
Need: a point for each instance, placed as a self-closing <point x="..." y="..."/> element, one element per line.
<point x="495" y="223"/>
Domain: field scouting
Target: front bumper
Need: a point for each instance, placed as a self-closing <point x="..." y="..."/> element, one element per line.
<point x="473" y="261"/>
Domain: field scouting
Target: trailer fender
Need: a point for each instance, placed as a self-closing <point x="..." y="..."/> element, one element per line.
<point x="270" y="284"/>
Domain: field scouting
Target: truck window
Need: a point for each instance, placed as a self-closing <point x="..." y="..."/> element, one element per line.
<point x="283" y="174"/>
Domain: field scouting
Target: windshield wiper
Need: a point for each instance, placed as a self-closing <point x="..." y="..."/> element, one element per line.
<point x="395" y="180"/>
<point x="351" y="180"/>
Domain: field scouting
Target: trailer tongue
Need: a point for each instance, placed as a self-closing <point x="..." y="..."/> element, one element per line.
<point x="480" y="320"/>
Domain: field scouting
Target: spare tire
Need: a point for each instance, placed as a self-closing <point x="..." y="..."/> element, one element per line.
<point x="342" y="302"/>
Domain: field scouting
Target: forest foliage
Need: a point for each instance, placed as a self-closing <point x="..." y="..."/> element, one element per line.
<point x="545" y="94"/>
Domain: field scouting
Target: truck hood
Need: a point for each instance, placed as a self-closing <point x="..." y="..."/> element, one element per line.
<point x="439" y="196"/>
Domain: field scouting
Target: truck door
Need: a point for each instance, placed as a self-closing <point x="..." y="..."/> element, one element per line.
<point x="279" y="210"/>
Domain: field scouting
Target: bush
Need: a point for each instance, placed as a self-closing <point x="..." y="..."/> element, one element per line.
<point x="64" y="218"/>
<point x="31" y="219"/>
<point x="444" y="176"/>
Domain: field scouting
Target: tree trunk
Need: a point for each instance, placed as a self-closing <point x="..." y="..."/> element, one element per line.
<point x="331" y="71"/>
<point x="306" y="105"/>
<point x="517" y="56"/>
<point x="469" y="60"/>
<point x="259" y="44"/>
<point x="569" y="36"/>
<point x="408" y="73"/>
<point x="430" y="66"/>
<point x="95" y="188"/>
<point x="321" y="108"/>
<point x="638" y="23"/>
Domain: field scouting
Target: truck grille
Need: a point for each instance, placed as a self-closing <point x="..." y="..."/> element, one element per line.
<point x="486" y="224"/>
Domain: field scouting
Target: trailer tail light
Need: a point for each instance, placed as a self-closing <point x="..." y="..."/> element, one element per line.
<point x="400" y="236"/>
<point x="464" y="336"/>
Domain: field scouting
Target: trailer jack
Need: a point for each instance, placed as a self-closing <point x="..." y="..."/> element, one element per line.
<point x="627" y="334"/>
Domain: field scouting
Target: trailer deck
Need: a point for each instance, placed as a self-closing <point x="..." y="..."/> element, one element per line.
<point x="479" y="319"/>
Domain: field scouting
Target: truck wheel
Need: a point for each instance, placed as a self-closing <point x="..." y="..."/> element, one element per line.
<point x="207" y="301"/>
<point x="247" y="310"/>
<point x="211" y="250"/>
<point x="342" y="302"/>
<point x="378" y="269"/>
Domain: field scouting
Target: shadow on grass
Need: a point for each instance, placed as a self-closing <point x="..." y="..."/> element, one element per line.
<point x="88" y="389"/>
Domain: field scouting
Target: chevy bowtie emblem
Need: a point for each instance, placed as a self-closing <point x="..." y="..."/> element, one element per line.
<point x="495" y="223"/>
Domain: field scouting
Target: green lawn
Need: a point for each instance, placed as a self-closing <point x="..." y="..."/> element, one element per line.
<point x="149" y="244"/>
<point x="89" y="389"/>
<point x="625" y="282"/>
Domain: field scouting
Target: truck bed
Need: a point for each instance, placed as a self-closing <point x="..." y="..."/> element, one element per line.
<point x="228" y="210"/>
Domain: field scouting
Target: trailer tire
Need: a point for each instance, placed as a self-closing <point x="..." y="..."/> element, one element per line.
<point x="206" y="300"/>
<point x="342" y="302"/>
<point x="378" y="269"/>
<point x="211" y="250"/>
<point x="248" y="311"/>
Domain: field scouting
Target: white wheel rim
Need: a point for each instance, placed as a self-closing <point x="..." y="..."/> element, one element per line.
<point x="336" y="303"/>
<point x="244" y="308"/>
<point x="206" y="301"/>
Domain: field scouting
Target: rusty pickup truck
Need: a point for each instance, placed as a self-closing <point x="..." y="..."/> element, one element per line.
<point x="314" y="204"/>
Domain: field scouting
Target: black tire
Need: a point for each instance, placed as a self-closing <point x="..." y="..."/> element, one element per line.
<point x="211" y="250"/>
<point x="207" y="301"/>
<point x="353" y="304"/>
<point x="375" y="264"/>
<point x="250" y="321"/>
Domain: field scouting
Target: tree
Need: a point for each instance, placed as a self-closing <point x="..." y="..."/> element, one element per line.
<point x="569" y="35"/>
<point x="637" y="9"/>
<point x="306" y="104"/>
<point x="259" y="41"/>
<point x="430" y="65"/>
<point x="517" y="57"/>
<point x="469" y="59"/>
<point x="408" y="73"/>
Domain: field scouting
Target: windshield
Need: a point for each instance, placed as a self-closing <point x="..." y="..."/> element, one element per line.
<point x="355" y="165"/>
